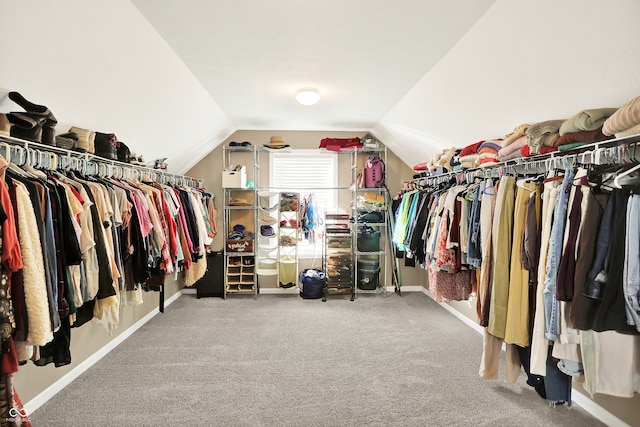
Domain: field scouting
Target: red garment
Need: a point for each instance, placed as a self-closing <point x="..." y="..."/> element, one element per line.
<point x="526" y="150"/>
<point x="11" y="254"/>
<point x="471" y="149"/>
<point x="340" y="144"/>
<point x="420" y="166"/>
<point x="9" y="363"/>
<point x="488" y="160"/>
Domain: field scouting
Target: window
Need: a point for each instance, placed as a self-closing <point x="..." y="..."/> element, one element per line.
<point x="306" y="172"/>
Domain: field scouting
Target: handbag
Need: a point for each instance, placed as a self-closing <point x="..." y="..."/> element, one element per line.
<point x="373" y="172"/>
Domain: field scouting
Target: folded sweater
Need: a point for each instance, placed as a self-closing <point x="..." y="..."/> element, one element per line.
<point x="517" y="133"/>
<point x="514" y="146"/>
<point x="543" y="133"/>
<point x="471" y="149"/>
<point x="586" y="120"/>
<point x="584" y="136"/>
<point x="624" y="118"/>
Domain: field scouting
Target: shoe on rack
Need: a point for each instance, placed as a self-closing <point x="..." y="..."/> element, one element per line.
<point x="106" y="145"/>
<point x="26" y="126"/>
<point x="41" y="111"/>
<point x="68" y="140"/>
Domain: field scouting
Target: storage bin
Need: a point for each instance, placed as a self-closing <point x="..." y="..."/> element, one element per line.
<point x="368" y="240"/>
<point x="368" y="264"/>
<point x="368" y="278"/>
<point x="239" y="245"/>
<point x="234" y="178"/>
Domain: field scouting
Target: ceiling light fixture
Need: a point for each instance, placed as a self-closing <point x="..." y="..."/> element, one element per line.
<point x="308" y="96"/>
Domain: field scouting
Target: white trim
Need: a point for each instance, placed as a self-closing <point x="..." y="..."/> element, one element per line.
<point x="279" y="291"/>
<point x="596" y="410"/>
<point x="189" y="291"/>
<point x="577" y="397"/>
<point x="66" y="379"/>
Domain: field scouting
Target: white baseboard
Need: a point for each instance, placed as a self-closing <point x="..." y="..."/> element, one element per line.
<point x="65" y="380"/>
<point x="576" y="396"/>
<point x="279" y="291"/>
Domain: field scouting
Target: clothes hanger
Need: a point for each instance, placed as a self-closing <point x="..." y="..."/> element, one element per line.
<point x="616" y="181"/>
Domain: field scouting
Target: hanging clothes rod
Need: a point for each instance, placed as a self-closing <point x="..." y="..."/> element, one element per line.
<point x="611" y="151"/>
<point x="47" y="156"/>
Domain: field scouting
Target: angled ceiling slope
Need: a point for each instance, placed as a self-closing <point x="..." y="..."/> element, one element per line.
<point x="362" y="55"/>
<point x="522" y="62"/>
<point x="101" y="66"/>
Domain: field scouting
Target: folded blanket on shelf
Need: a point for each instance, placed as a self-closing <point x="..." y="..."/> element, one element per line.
<point x="586" y="120"/>
<point x="572" y="146"/>
<point x="584" y="136"/>
<point x="513" y="147"/>
<point x="489" y="145"/>
<point x="514" y="155"/>
<point x="469" y="165"/>
<point x="629" y="132"/>
<point x="470" y="149"/>
<point x="471" y="158"/>
<point x="543" y="133"/>
<point x="518" y="132"/>
<point x="488" y="161"/>
<point x="624" y="118"/>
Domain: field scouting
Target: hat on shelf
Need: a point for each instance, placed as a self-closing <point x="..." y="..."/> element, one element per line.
<point x="243" y="144"/>
<point x="239" y="202"/>
<point x="267" y="230"/>
<point x="276" y="142"/>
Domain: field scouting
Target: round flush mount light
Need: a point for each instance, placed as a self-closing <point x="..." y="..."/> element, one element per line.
<point x="308" y="96"/>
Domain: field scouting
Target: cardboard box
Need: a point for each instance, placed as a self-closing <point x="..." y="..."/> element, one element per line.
<point x="234" y="178"/>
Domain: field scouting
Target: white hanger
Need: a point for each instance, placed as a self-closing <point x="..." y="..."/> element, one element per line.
<point x="616" y="181"/>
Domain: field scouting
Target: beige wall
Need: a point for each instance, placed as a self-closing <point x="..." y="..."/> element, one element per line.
<point x="31" y="380"/>
<point x="209" y="170"/>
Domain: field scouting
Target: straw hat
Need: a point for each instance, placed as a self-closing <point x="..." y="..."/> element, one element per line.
<point x="276" y="142"/>
<point x="239" y="202"/>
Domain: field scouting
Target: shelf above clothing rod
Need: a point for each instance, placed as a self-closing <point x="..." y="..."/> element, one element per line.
<point x="76" y="160"/>
<point x="601" y="152"/>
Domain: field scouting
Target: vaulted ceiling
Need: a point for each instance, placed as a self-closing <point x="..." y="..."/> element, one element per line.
<point x="175" y="79"/>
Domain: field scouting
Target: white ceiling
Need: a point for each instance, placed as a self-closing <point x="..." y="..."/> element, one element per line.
<point x="362" y="55"/>
<point x="175" y="79"/>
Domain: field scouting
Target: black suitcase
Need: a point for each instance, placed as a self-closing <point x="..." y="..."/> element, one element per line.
<point x="212" y="283"/>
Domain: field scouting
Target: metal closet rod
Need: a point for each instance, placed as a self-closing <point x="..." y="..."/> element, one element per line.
<point x="85" y="160"/>
<point x="609" y="151"/>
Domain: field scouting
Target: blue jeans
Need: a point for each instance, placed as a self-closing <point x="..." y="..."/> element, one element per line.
<point x="553" y="256"/>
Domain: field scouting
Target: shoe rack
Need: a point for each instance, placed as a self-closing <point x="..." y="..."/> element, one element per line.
<point x="289" y="221"/>
<point x="240" y="223"/>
